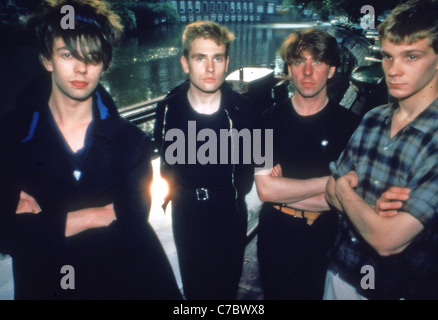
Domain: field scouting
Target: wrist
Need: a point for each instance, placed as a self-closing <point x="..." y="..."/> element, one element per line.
<point x="341" y="187"/>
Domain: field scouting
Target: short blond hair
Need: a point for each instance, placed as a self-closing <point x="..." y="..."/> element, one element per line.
<point x="411" y="21"/>
<point x="207" y="30"/>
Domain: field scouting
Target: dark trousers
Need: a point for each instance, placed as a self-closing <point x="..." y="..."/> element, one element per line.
<point x="210" y="241"/>
<point x="293" y="255"/>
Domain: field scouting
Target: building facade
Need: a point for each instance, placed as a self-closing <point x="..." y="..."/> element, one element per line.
<point x="238" y="11"/>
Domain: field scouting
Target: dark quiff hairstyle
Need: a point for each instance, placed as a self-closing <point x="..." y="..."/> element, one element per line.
<point x="319" y="44"/>
<point x="207" y="30"/>
<point x="96" y="31"/>
<point x="411" y="21"/>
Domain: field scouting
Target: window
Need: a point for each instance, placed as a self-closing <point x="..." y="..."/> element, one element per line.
<point x="232" y="8"/>
<point x="251" y="7"/>
<point x="182" y="7"/>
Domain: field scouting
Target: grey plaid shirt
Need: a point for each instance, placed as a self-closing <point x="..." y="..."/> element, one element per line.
<point x="409" y="159"/>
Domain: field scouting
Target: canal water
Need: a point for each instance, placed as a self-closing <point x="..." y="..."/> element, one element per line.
<point x="148" y="65"/>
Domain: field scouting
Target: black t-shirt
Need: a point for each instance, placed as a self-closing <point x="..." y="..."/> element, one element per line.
<point x="305" y="145"/>
<point x="203" y="164"/>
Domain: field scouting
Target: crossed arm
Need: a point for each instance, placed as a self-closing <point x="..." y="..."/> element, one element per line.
<point x="384" y="227"/>
<point x="77" y="221"/>
<point x="302" y="194"/>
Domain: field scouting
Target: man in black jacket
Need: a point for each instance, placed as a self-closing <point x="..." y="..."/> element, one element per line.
<point x="75" y="175"/>
<point x="195" y="131"/>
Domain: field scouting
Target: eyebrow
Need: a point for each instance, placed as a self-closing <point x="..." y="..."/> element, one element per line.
<point x="62" y="48"/>
<point x="406" y="52"/>
<point x="204" y="54"/>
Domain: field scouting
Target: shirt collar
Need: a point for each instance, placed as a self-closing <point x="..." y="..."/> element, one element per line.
<point x="424" y="122"/>
<point x="428" y="119"/>
<point x="102" y="123"/>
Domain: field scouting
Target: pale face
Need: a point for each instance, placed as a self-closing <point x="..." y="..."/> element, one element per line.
<point x="71" y="78"/>
<point x="206" y="66"/>
<point x="410" y="69"/>
<point x="310" y="76"/>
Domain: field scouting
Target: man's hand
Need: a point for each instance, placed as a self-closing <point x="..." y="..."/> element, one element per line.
<point x="27" y="204"/>
<point x="84" y="219"/>
<point x="276" y="171"/>
<point x="350" y="179"/>
<point x="391" y="201"/>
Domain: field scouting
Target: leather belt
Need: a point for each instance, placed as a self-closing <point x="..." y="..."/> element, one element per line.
<point x="310" y="216"/>
<point x="203" y="194"/>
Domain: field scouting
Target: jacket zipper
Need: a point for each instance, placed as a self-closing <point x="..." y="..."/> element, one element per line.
<point x="232" y="152"/>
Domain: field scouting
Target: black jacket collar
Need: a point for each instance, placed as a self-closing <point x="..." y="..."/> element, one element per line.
<point x="228" y="95"/>
<point x="32" y="102"/>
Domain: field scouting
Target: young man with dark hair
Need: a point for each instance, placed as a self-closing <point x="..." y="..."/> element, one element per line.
<point x="395" y="147"/>
<point x="75" y="199"/>
<point x="209" y="214"/>
<point x="296" y="225"/>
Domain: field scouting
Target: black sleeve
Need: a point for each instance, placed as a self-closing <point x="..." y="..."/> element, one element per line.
<point x="157" y="138"/>
<point x="133" y="198"/>
<point x="25" y="232"/>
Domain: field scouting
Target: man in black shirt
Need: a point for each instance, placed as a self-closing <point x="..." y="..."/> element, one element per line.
<point x="208" y="189"/>
<point x="296" y="224"/>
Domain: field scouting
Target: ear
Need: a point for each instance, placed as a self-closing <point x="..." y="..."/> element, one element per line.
<point x="332" y="71"/>
<point x="226" y="66"/>
<point x="47" y="64"/>
<point x="289" y="70"/>
<point x="185" y="65"/>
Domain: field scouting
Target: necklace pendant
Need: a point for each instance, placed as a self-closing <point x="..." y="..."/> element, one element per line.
<point x="77" y="174"/>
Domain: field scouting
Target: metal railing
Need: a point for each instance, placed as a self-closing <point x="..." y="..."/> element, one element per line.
<point x="141" y="112"/>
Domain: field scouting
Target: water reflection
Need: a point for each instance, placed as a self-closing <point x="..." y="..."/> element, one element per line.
<point x="149" y="66"/>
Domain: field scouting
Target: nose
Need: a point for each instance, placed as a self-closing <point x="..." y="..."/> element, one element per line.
<point x="210" y="65"/>
<point x="393" y="67"/>
<point x="308" y="68"/>
<point x="80" y="67"/>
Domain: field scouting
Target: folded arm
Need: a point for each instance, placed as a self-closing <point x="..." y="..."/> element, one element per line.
<point x="387" y="235"/>
<point x="304" y="194"/>
<point x="77" y="221"/>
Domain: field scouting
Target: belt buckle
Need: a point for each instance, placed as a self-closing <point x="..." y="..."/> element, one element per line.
<point x="202" y="194"/>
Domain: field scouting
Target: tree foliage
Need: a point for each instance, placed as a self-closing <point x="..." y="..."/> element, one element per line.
<point x="134" y="13"/>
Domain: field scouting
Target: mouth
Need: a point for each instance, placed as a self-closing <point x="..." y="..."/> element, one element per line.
<point x="395" y="85"/>
<point x="209" y="79"/>
<point x="79" y="84"/>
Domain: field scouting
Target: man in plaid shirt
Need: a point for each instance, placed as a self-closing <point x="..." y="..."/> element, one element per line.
<point x="395" y="145"/>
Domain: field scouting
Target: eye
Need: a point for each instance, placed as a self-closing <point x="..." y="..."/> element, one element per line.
<point x="317" y="62"/>
<point x="66" y="55"/>
<point x="219" y="59"/>
<point x="386" y="56"/>
<point x="412" y="57"/>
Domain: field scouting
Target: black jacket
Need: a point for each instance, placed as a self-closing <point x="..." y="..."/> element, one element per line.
<point x="114" y="169"/>
<point x="239" y="109"/>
